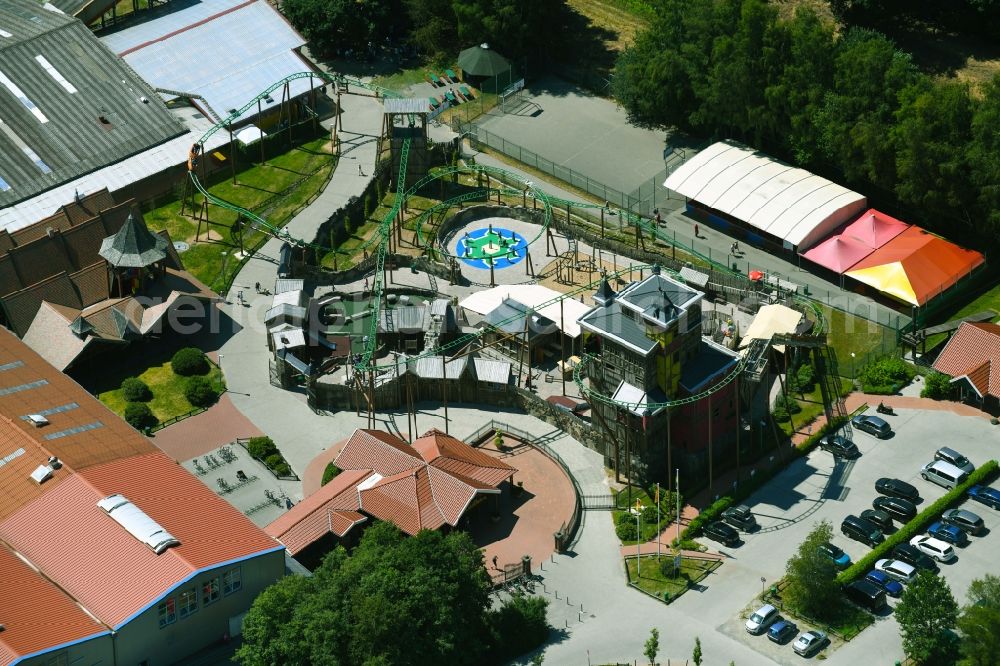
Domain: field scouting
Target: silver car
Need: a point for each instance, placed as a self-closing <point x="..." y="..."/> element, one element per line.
<point x="964" y="520"/>
<point x="955" y="458"/>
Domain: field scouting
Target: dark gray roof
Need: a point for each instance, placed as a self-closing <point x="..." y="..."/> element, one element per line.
<point x="509" y="309"/>
<point x="405" y="319"/>
<point x="658" y="298"/>
<point x="604" y="294"/>
<point x="608" y="321"/>
<point x="81" y="326"/>
<point x="430" y="367"/>
<point x="85" y="10"/>
<point x="58" y="82"/>
<point x="134" y="246"/>
<point x="708" y="362"/>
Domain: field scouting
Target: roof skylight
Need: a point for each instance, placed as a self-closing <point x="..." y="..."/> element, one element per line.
<point x="19" y="94"/>
<point x="54" y="73"/>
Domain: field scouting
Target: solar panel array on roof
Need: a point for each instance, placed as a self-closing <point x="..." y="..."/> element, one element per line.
<point x="68" y="106"/>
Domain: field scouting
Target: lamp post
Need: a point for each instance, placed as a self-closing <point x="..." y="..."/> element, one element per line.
<point x="638" y="539"/>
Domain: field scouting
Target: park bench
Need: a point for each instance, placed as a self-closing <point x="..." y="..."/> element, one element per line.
<point x="432" y="77"/>
<point x="451" y="97"/>
<point x="465" y="91"/>
<point x="451" y="74"/>
<point x="434" y="102"/>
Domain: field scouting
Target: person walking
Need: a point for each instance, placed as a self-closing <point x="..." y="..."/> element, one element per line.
<point x="696" y="233"/>
<point x="360" y="172"/>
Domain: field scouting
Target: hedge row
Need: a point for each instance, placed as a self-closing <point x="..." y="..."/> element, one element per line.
<point x="983" y="475"/>
<point x="746" y="489"/>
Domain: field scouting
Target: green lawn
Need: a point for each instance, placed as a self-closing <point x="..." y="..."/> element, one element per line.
<point x="647" y="527"/>
<point x="264" y="188"/>
<point x="988" y="300"/>
<point x="168" y="391"/>
<point x="849" y="334"/>
<point x="812" y="407"/>
<point x="645" y="573"/>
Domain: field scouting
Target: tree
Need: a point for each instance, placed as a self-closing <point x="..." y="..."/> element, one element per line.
<point x="696" y="654"/>
<point x="135" y="390"/>
<point x="189" y="361"/>
<point x="199" y="391"/>
<point x="812" y="576"/>
<point x="937" y="386"/>
<point x="139" y="415"/>
<point x="331" y="25"/>
<point x="984" y="155"/>
<point x="980" y="623"/>
<point x="652" y="647"/>
<point x="394" y="600"/>
<point x="926" y="612"/>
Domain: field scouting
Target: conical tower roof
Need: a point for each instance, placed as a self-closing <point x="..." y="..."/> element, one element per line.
<point x="604" y="294"/>
<point x="134" y="246"/>
<point x="81" y="327"/>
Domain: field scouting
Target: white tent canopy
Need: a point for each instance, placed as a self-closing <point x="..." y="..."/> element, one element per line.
<point x="532" y="295"/>
<point x="781" y="200"/>
<point x="772" y="320"/>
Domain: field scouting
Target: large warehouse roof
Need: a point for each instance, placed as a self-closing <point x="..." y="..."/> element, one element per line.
<point x="789" y="203"/>
<point x="68" y="106"/>
<point x="227" y="51"/>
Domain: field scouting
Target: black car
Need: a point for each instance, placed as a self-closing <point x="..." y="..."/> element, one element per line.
<point x="740" y="517"/>
<point x="907" y="553"/>
<point x="896" y="488"/>
<point x="866" y="594"/>
<point x="881" y="519"/>
<point x="724" y="534"/>
<point x="897" y="507"/>
<point x="862" y="530"/>
<point x="839" y="446"/>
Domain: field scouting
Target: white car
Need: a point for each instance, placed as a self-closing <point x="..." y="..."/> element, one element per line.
<point x="939" y="550"/>
<point x="809" y="642"/>
<point x="897" y="569"/>
<point x="761" y="618"/>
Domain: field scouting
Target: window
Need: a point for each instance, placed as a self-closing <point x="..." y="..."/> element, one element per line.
<point x="167" y="611"/>
<point x="61" y="659"/>
<point x="231" y="581"/>
<point x="188" y="601"/>
<point x="19" y="94"/>
<point x="54" y="73"/>
<point x="210" y="591"/>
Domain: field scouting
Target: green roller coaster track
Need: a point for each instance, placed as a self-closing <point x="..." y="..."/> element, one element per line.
<point x="366" y="362"/>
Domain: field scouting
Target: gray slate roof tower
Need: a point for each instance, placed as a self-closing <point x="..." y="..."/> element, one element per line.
<point x="133" y="246"/>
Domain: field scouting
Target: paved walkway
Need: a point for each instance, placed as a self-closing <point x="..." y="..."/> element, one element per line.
<point x="222" y="423"/>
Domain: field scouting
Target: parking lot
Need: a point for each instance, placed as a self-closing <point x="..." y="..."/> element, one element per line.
<point x="816" y="488"/>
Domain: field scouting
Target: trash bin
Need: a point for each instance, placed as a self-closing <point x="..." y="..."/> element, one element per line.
<point x="526" y="565"/>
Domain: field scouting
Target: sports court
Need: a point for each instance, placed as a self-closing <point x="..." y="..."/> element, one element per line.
<point x="585" y="133"/>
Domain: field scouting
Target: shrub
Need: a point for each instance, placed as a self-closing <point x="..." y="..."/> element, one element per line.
<point x="199" y="391"/>
<point x="139" y="416"/>
<point x="625" y="527"/>
<point x="518" y="626"/>
<point x="937" y="386"/>
<point x="885" y="376"/>
<point x="278" y="465"/>
<point x="261" y="447"/>
<point x="911" y="529"/>
<point x="329" y="474"/>
<point x="709" y="515"/>
<point x="783" y="409"/>
<point x="189" y="361"/>
<point x="135" y="390"/>
<point x="806" y="378"/>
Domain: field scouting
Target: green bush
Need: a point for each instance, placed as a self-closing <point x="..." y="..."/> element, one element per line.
<point x="139" y="416"/>
<point x="189" y="361"/>
<point x="911" y="529"/>
<point x="135" y="390"/>
<point x="709" y="515"/>
<point x="261" y="447"/>
<point x="625" y="527"/>
<point x="199" y="391"/>
<point x="783" y="409"/>
<point x="278" y="464"/>
<point x="329" y="473"/>
<point x="937" y="386"/>
<point x="806" y="378"/>
<point x="518" y="626"/>
<point x="885" y="376"/>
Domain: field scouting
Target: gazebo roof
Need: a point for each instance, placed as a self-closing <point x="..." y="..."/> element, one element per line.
<point x="134" y="246"/>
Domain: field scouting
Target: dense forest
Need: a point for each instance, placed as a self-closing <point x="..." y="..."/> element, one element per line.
<point x="849" y="105"/>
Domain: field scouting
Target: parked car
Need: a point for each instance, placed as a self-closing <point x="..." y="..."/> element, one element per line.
<point x="740" y="517"/>
<point x="943" y="474"/>
<point x="985" y="495"/>
<point x="839" y="446"/>
<point x="965" y="520"/>
<point x="724" y="534"/>
<point x="897" y="569"/>
<point x="911" y="554"/>
<point x="782" y="631"/>
<point x="866" y="594"/>
<point x="861" y="530"/>
<point x="809" y="643"/>
<point x="761" y="619"/>
<point x="839" y="557"/>
<point x="939" y="550"/>
<point x="897" y="507"/>
<point x="881" y="519"/>
<point x="892" y="587"/>
<point x="873" y="425"/>
<point x="948" y="533"/>
<point x="955" y="458"/>
<point x="897" y="488"/>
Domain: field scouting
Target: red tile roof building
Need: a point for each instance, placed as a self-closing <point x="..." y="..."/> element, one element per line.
<point x="117" y="586"/>
<point x="428" y="485"/>
<point x="970" y="357"/>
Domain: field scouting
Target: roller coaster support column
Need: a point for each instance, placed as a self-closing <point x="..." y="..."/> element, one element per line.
<point x="739" y="424"/>
<point x="549" y="237"/>
<point x="602" y="223"/>
<point x="232" y="152"/>
<point x="670" y="452"/>
<point x="610" y="435"/>
<point x="529" y="268"/>
<point x="492" y="281"/>
<point x="711" y="451"/>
